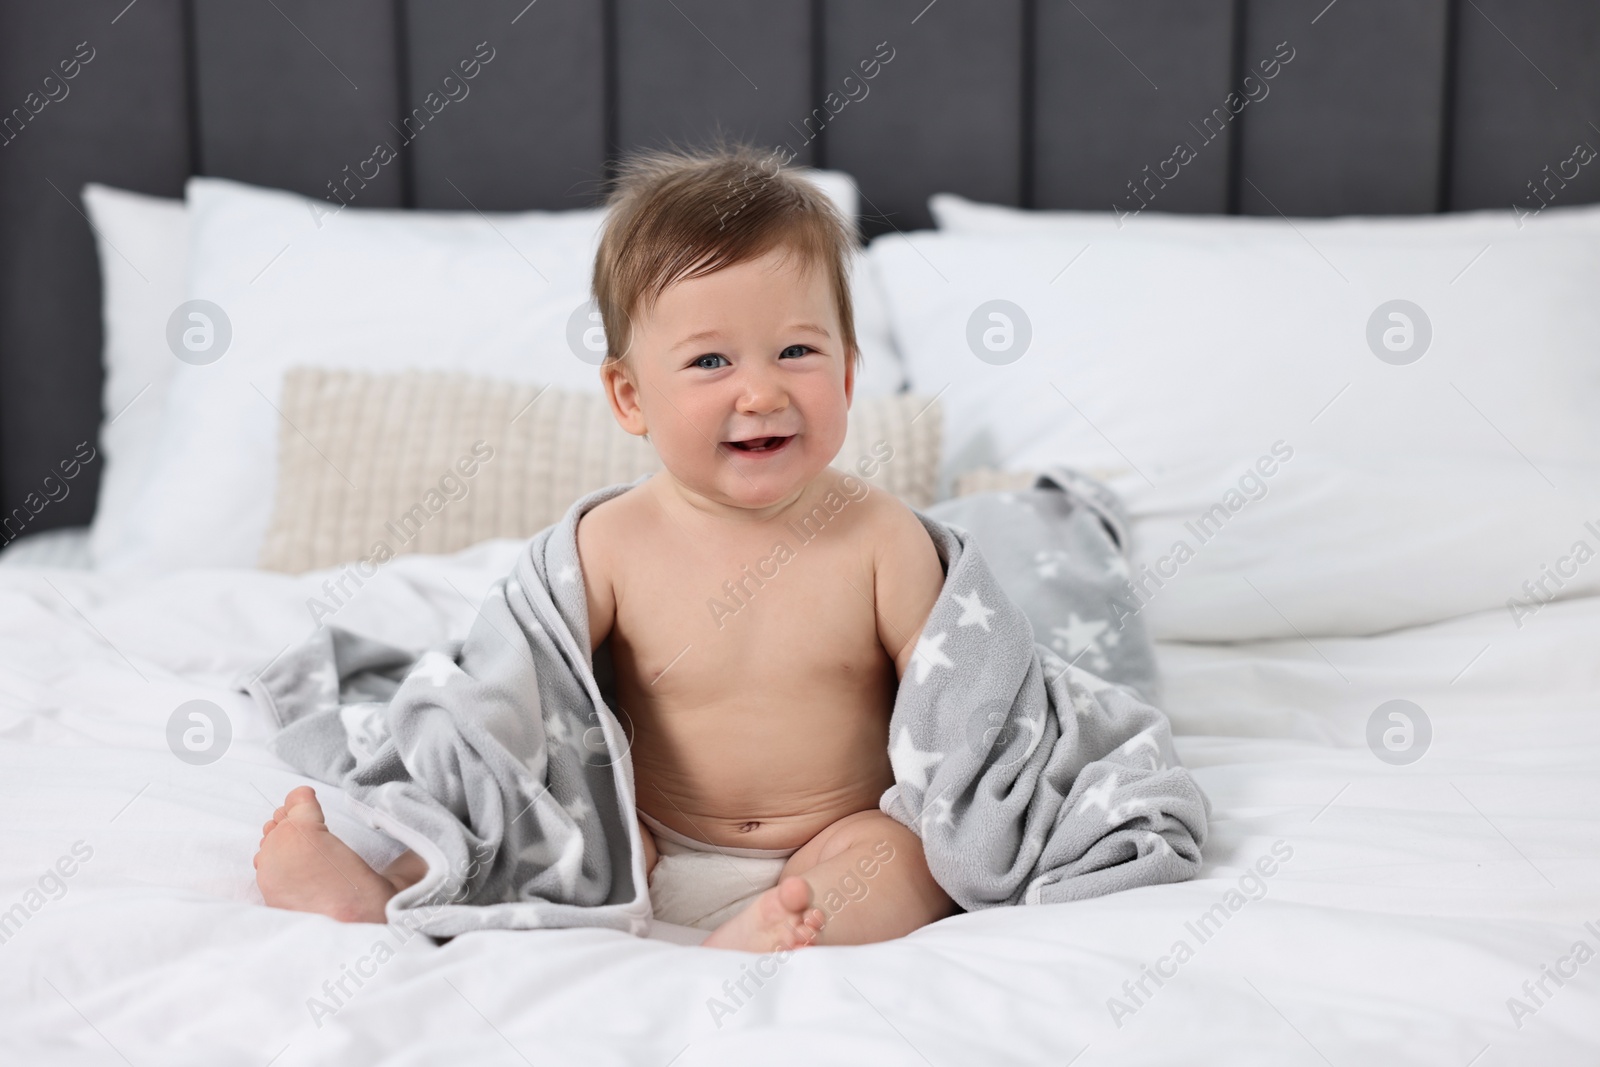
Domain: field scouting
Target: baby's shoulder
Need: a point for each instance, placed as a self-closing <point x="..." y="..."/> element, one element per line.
<point x="890" y="526"/>
<point x="601" y="530"/>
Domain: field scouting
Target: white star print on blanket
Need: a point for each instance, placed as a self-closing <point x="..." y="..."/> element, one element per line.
<point x="910" y="763"/>
<point x="926" y="656"/>
<point x="973" y="613"/>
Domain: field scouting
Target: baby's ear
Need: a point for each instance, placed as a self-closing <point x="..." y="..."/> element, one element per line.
<point x="623" y="395"/>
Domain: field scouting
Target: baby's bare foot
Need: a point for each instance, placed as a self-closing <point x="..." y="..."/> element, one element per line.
<point x="781" y="918"/>
<point x="302" y="866"/>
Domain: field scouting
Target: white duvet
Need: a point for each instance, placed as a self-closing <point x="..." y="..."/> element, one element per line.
<point x="1412" y="914"/>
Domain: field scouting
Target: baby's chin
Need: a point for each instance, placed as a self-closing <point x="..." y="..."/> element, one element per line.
<point x="752" y="484"/>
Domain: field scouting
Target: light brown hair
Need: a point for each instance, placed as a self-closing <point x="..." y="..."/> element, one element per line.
<point x="677" y="214"/>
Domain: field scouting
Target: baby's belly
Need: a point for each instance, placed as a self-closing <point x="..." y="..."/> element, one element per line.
<point x="762" y="776"/>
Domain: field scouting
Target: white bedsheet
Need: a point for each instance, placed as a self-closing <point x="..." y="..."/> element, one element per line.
<point x="1417" y="900"/>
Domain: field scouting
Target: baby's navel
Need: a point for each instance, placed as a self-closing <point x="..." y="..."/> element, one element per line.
<point x="745" y="828"/>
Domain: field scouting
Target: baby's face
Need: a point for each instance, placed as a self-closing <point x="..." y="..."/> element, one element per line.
<point x="725" y="363"/>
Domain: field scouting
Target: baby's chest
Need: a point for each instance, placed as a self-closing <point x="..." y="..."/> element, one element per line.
<point x="773" y="613"/>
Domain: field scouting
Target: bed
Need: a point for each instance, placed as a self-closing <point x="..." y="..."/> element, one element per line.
<point x="1377" y="647"/>
<point x="1415" y="904"/>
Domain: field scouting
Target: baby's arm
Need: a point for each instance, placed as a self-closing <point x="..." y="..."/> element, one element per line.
<point x="907" y="579"/>
<point x="593" y="559"/>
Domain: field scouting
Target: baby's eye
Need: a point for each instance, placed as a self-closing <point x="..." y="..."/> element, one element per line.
<point x="799" y="350"/>
<point x="700" y="362"/>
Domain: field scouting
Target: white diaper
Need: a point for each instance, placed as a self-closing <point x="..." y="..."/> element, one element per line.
<point x="703" y="885"/>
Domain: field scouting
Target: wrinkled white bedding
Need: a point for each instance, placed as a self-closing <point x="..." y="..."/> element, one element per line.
<point x="1414" y="902"/>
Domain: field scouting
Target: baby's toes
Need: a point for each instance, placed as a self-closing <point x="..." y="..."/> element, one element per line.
<point x="301" y="805"/>
<point x="800" y="935"/>
<point x="794" y="893"/>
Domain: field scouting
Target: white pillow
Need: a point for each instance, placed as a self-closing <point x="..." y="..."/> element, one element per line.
<point x="957" y="214"/>
<point x="1183" y="361"/>
<point x="840" y="187"/>
<point x="1150" y="353"/>
<point x="1328" y="545"/>
<point x="143" y="247"/>
<point x="358" y="289"/>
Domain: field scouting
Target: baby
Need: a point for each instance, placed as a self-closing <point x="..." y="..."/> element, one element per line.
<point x="760" y="721"/>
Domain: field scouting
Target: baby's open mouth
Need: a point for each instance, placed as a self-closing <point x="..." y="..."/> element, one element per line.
<point x="761" y="444"/>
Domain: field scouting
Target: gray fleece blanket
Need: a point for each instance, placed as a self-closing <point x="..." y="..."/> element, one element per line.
<point x="500" y="761"/>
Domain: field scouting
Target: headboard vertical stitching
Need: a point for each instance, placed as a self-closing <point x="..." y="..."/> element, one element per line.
<point x="402" y="75"/>
<point x="1447" y="102"/>
<point x="611" y="80"/>
<point x="1028" y="68"/>
<point x="819" y="75"/>
<point x="1236" y="71"/>
<point x="191" y="87"/>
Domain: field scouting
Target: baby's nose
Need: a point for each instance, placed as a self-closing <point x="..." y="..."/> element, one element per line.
<point x="762" y="391"/>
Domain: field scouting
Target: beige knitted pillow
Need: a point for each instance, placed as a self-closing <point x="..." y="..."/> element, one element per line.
<point x="378" y="465"/>
<point x="992" y="480"/>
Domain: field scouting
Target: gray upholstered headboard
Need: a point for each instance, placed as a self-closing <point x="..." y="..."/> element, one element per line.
<point x="1387" y="106"/>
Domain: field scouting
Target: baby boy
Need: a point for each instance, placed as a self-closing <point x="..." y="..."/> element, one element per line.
<point x="761" y="733"/>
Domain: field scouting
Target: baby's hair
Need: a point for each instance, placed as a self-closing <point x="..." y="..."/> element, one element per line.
<point x="682" y="213"/>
